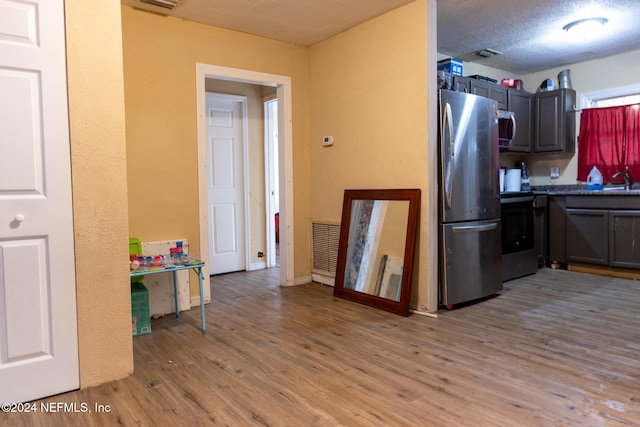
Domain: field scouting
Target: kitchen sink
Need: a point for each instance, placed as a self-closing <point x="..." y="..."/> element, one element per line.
<point x="633" y="189"/>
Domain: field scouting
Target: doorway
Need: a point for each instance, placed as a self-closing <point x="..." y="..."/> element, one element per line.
<point x="285" y="156"/>
<point x="272" y="190"/>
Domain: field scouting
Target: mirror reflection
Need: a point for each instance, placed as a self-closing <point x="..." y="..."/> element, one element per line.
<point x="376" y="248"/>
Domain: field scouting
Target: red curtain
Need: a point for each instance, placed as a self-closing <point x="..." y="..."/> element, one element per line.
<point x="632" y="141"/>
<point x="610" y="140"/>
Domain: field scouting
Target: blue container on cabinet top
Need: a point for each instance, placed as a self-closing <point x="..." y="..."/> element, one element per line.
<point x="450" y="65"/>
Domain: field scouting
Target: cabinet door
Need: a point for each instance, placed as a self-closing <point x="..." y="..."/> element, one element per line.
<point x="548" y="121"/>
<point x="541" y="232"/>
<point x="624" y="247"/>
<point x="479" y="87"/>
<point x="555" y="128"/>
<point x="499" y="93"/>
<point x="490" y="90"/>
<point x="521" y="104"/>
<point x="588" y="236"/>
<point x="557" y="228"/>
<point x="461" y="84"/>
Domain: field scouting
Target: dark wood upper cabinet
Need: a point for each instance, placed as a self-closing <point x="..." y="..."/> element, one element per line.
<point x="462" y="84"/>
<point x="521" y="104"/>
<point x="545" y="121"/>
<point x="491" y="91"/>
<point x="555" y="121"/>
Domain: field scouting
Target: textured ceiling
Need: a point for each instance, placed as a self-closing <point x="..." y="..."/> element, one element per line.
<point x="527" y="32"/>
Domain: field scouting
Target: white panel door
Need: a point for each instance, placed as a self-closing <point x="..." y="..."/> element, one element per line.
<point x="225" y="181"/>
<point x="38" y="325"/>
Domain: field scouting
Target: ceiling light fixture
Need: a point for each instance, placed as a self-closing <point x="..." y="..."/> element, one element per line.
<point x="585" y="23"/>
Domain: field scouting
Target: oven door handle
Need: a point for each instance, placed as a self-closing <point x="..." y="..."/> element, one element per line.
<point x="472" y="228"/>
<point x="506" y="201"/>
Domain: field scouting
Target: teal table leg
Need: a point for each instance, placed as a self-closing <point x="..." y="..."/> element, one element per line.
<point x="175" y="292"/>
<point x="197" y="269"/>
<point x="200" y="279"/>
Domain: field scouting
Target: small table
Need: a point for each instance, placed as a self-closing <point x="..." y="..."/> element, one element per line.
<point x="197" y="267"/>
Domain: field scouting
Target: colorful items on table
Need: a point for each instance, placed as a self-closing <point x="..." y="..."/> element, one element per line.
<point x="176" y="257"/>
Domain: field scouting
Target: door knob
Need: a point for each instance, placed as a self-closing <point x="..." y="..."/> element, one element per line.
<point x="19" y="218"/>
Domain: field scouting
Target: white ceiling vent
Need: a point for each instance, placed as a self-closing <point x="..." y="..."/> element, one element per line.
<point x="167" y="4"/>
<point x="487" y="53"/>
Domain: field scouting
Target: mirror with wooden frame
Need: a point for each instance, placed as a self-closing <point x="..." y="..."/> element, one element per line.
<point x="376" y="248"/>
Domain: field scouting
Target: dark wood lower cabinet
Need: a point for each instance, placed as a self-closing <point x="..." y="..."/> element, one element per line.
<point x="624" y="239"/>
<point x="588" y="236"/>
<point x="541" y="227"/>
<point x="595" y="230"/>
<point x="557" y="227"/>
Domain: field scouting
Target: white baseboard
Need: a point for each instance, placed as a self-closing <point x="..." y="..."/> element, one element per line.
<point x="424" y="313"/>
<point x="257" y="266"/>
<point x="302" y="280"/>
<point x="195" y="301"/>
<point x="329" y="281"/>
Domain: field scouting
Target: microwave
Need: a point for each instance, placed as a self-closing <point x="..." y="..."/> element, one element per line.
<point x="506" y="128"/>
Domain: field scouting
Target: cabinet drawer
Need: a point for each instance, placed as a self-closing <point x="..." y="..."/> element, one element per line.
<point x="604" y="202"/>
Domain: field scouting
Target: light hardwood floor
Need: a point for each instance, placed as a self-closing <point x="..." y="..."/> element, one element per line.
<point x="554" y="349"/>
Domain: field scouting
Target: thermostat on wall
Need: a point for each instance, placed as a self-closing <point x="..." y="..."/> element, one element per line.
<point x="327" y="141"/>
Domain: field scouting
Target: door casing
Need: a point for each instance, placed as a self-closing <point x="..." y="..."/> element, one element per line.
<point x="285" y="161"/>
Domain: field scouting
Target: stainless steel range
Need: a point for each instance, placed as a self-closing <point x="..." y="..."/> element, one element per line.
<point x="519" y="255"/>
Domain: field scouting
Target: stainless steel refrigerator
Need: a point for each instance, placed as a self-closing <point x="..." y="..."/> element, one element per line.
<point x="469" y="198"/>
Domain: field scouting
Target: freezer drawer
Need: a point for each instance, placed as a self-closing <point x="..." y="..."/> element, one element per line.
<point x="470" y="261"/>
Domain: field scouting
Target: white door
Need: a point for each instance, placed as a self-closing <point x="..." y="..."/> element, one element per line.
<point x="225" y="182"/>
<point x="38" y="326"/>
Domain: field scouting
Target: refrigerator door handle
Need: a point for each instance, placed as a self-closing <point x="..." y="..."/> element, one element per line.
<point x="449" y="124"/>
<point x="473" y="228"/>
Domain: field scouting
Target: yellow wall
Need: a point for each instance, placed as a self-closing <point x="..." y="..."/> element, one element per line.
<point x="160" y="55"/>
<point x="369" y="91"/>
<point x="366" y="87"/>
<point x="145" y="185"/>
<point x="98" y="152"/>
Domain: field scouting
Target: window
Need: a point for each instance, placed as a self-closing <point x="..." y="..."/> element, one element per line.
<point x="624" y="95"/>
<point x="617" y="101"/>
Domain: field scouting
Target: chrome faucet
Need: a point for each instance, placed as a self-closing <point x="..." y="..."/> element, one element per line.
<point x="627" y="178"/>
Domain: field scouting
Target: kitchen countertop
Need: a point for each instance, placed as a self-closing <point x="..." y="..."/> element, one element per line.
<point x="581" y="190"/>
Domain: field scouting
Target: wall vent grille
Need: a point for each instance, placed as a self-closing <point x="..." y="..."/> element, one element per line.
<point x="325" y="238"/>
<point x="167" y="4"/>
